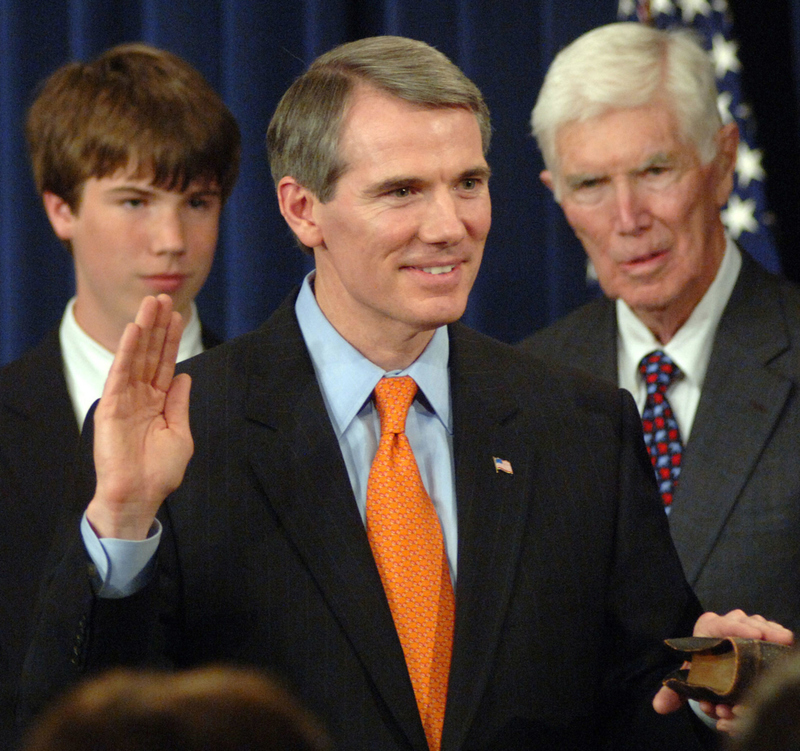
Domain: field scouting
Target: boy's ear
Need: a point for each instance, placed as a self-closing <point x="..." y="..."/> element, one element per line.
<point x="297" y="206"/>
<point x="59" y="212"/>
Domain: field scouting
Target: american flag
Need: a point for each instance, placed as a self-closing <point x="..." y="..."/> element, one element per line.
<point x="746" y="216"/>
<point x="502" y="465"/>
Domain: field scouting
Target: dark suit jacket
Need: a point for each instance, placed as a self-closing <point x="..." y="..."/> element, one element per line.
<point x="736" y="515"/>
<point x="567" y="579"/>
<point x="38" y="446"/>
<point x="39" y="440"/>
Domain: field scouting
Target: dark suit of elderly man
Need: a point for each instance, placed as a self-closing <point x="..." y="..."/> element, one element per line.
<point x="642" y="165"/>
<point x="552" y="581"/>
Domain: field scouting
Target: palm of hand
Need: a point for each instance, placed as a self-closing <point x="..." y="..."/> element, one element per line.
<point x="142" y="438"/>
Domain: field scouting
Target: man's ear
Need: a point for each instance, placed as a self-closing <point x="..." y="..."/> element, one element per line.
<point x="549" y="180"/>
<point x="727" y="151"/>
<point x="59" y="212"/>
<point x="296" y="203"/>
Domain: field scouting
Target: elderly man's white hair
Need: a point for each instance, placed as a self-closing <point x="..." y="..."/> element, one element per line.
<point x="625" y="65"/>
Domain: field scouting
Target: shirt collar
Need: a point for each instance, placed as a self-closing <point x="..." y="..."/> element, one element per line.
<point x="73" y="335"/>
<point x="691" y="346"/>
<point x="347" y="378"/>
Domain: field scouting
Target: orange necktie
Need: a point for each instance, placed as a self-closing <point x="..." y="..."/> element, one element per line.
<point x="408" y="546"/>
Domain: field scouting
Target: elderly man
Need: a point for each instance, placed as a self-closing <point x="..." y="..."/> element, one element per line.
<point x="704" y="338"/>
<point x="437" y="541"/>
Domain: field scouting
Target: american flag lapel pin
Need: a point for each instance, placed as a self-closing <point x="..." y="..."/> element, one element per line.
<point x="502" y="465"/>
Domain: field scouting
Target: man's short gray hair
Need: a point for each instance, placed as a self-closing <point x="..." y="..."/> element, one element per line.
<point x="303" y="136"/>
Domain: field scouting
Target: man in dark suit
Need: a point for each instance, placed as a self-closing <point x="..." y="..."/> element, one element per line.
<point x="133" y="154"/>
<point x="642" y="165"/>
<point x="268" y="552"/>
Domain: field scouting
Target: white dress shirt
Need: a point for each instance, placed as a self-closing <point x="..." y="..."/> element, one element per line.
<point x="689" y="349"/>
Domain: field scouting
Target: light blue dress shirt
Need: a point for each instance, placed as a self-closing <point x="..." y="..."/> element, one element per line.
<point x="347" y="380"/>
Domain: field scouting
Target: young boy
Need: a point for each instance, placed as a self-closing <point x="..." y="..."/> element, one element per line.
<point x="134" y="155"/>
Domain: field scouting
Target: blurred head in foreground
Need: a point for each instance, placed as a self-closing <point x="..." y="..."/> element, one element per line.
<point x="206" y="709"/>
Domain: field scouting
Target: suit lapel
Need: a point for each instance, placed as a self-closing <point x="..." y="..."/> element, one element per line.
<point x="296" y="456"/>
<point x="34" y="386"/>
<point x="492" y="507"/>
<point x="594" y="349"/>
<point x="209" y="338"/>
<point x="741" y="401"/>
<point x="34" y="407"/>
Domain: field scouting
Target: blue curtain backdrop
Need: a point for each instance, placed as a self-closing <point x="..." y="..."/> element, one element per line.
<point x="250" y="50"/>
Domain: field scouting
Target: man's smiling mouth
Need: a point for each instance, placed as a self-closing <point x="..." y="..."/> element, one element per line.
<point x="438" y="269"/>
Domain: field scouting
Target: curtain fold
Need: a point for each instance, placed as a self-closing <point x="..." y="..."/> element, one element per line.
<point x="251" y="50"/>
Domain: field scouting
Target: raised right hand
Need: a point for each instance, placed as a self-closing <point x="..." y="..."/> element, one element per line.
<point x="142" y="440"/>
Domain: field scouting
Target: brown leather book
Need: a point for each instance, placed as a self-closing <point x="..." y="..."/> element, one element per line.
<point x="720" y="670"/>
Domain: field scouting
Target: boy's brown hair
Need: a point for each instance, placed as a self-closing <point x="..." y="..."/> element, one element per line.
<point x="133" y="106"/>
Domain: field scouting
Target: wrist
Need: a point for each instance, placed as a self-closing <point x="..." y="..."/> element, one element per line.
<point x="120" y="524"/>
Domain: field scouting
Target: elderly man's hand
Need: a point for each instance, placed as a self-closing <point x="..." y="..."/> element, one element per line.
<point x="735" y="623"/>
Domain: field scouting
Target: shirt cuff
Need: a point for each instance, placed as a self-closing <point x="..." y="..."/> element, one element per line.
<point x="708" y="721"/>
<point x="121" y="567"/>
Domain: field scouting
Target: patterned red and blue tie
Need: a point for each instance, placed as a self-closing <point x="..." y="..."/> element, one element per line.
<point x="661" y="433"/>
